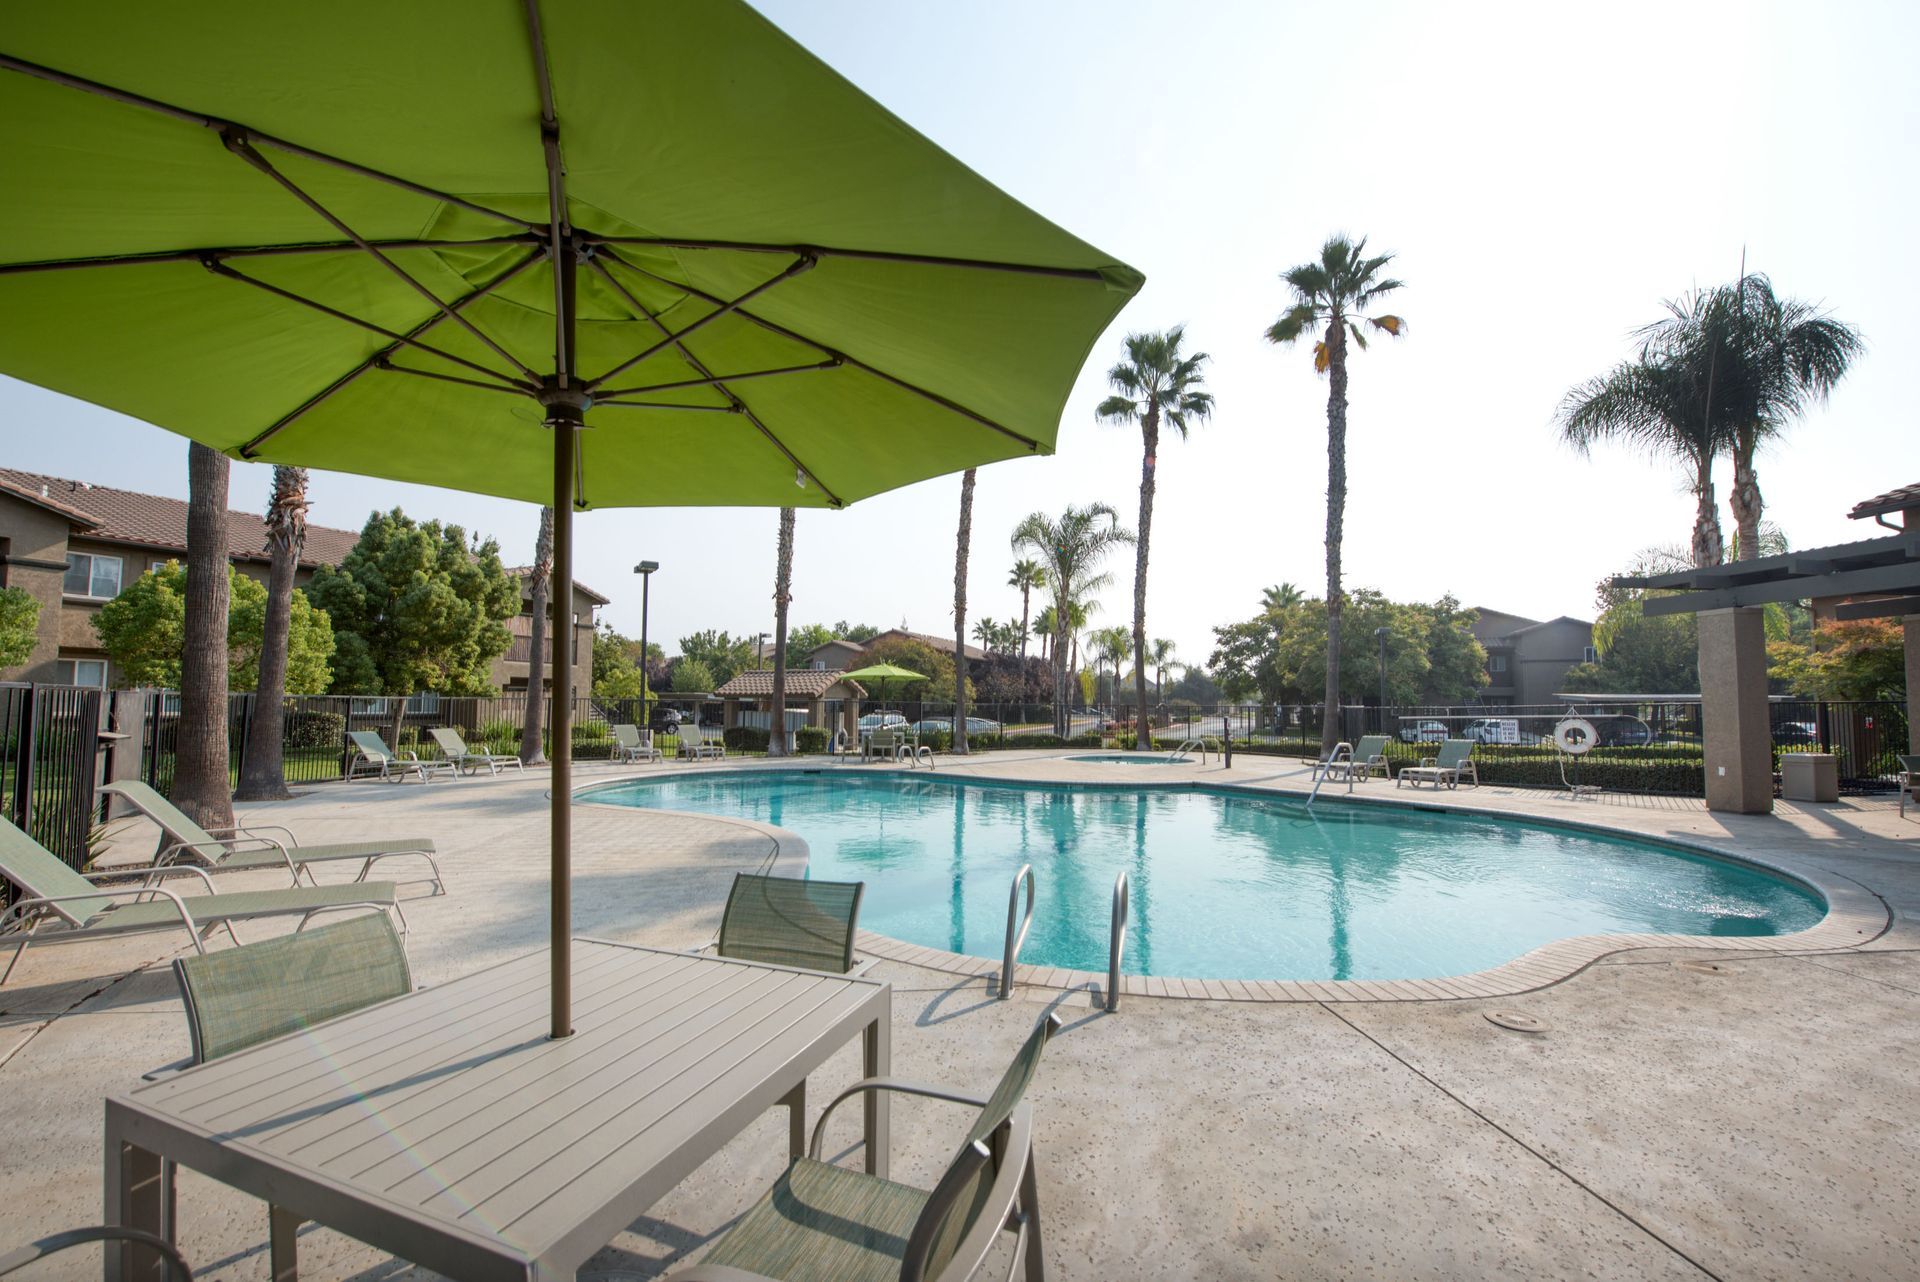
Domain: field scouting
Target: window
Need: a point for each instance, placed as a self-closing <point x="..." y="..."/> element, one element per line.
<point x="426" y="702"/>
<point x="92" y="576"/>
<point x="1590" y="655"/>
<point x="1496" y="663"/>
<point x="160" y="563"/>
<point x="82" y="672"/>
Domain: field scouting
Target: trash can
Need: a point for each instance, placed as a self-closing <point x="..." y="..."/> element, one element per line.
<point x="1810" y="776"/>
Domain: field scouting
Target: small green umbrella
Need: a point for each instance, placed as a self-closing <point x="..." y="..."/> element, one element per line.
<point x="883" y="672"/>
<point x="587" y="252"/>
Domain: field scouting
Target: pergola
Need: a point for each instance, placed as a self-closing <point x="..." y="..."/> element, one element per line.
<point x="1869" y="579"/>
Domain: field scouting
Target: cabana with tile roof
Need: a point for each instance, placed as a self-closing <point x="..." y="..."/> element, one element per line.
<point x="818" y="687"/>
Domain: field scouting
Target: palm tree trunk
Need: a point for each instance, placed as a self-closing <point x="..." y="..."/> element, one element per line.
<point x="782" y="598"/>
<point x="1142" y="725"/>
<point x="1745" y="499"/>
<point x="1709" y="547"/>
<point x="200" y="772"/>
<point x="1336" y="521"/>
<point x="961" y="541"/>
<point x="539" y="588"/>
<point x="1026" y="595"/>
<point x="262" y="769"/>
<point x="1061" y="721"/>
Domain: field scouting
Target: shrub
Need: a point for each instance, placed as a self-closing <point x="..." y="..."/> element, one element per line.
<point x="499" y="730"/>
<point x="319" y="730"/>
<point x="1089" y="740"/>
<point x="810" y="739"/>
<point x="744" y="739"/>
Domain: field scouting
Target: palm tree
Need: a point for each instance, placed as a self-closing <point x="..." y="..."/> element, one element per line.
<point x="1328" y="297"/>
<point x="539" y="590"/>
<point x="1027" y="575"/>
<point x="1111" y="646"/>
<point x="1768" y="358"/>
<point x="1070" y="549"/>
<point x="1155" y="384"/>
<point x="987" y="633"/>
<point x="963" y="540"/>
<point x="200" y="769"/>
<point x="262" y="768"/>
<point x="1661" y="406"/>
<point x="782" y="598"/>
<point x="1280" y="596"/>
<point x="1163" y="658"/>
<point x="1043" y="625"/>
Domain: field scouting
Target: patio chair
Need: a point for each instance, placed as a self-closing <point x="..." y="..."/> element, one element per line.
<point x="631" y="743"/>
<point x="821" y="1221"/>
<point x="372" y="756"/>
<point x="51" y="892"/>
<point x="694" y="745"/>
<point x="1369" y="754"/>
<point x="884" y="743"/>
<point x="465" y="760"/>
<point x="1454" y="759"/>
<point x="229" y="848"/>
<point x="1909" y="781"/>
<point x="787" y="921"/>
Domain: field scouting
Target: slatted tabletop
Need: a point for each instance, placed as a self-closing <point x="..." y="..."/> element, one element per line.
<point x="447" y="1127"/>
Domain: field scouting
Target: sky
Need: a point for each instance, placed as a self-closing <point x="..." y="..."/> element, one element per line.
<point x="1545" y="174"/>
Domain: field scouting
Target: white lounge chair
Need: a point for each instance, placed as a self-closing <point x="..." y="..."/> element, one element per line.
<point x="1454" y="759"/>
<point x="372" y="756"/>
<point x="465" y="760"/>
<point x="631" y="743"/>
<point x="694" y="745"/>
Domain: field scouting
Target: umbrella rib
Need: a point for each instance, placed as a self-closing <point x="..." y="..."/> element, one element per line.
<point x="386" y="363"/>
<point x="34" y="69"/>
<point x="699" y="366"/>
<point x="668" y="405"/>
<point x="798" y="267"/>
<point x="855" y="362"/>
<point x="869" y="255"/>
<point x="247" y="251"/>
<point x="219" y="268"/>
<point x="287" y="420"/>
<point x="238" y="144"/>
<point x="558" y="229"/>
<point x="717" y="380"/>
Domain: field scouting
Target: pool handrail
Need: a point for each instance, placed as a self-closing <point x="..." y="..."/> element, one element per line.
<point x="1180" y="753"/>
<point x="1117" y="940"/>
<point x="1013" y="944"/>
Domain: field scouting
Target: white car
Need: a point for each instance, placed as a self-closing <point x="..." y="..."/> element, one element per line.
<point x="1423" y="732"/>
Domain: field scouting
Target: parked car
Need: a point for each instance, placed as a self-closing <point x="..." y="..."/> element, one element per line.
<point x="944" y="725"/>
<point x="1796" y="732"/>
<point x="1492" y="730"/>
<point x="881" y="721"/>
<point x="1423" y="732"/>
<point x="1623" y="732"/>
<point x="665" y="720"/>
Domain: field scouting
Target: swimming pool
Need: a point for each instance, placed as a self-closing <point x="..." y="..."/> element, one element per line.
<point x="1132" y="759"/>
<point x="1227" y="885"/>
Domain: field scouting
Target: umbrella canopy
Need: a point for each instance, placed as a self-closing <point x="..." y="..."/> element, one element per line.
<point x="582" y="252"/>
<point x="884" y="672"/>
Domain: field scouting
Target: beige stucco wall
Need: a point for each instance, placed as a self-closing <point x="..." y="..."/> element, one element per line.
<point x="36" y="560"/>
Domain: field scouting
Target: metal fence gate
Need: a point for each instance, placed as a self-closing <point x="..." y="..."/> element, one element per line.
<point x="49" y="742"/>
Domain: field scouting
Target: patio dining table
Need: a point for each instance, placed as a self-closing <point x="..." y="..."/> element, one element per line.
<point x="448" y="1128"/>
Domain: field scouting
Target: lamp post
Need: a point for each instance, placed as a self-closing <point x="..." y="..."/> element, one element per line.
<point x="645" y="570"/>
<point x="1380" y="635"/>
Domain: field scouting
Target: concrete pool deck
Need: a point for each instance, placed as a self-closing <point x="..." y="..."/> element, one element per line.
<point x="1752" y="1120"/>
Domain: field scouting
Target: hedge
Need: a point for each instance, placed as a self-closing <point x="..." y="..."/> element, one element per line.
<point x="745" y="739"/>
<point x="809" y="739"/>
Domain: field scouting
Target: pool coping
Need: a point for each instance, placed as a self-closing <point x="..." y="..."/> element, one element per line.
<point x="1855" y="914"/>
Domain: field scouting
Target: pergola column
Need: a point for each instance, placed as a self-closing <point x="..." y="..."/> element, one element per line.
<point x="1733" y="699"/>
<point x="1912" y="626"/>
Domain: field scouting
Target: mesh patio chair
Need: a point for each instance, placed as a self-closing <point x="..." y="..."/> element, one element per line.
<point x="787" y="921"/>
<point x="1454" y="759"/>
<point x="694" y="745"/>
<point x="238" y="847"/>
<point x="822" y="1222"/>
<point x="1909" y="781"/>
<point x="372" y="756"/>
<point x="466" y="761"/>
<point x="631" y="743"/>
<point x="52" y="894"/>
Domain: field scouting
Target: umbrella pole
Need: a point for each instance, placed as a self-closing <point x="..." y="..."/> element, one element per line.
<point x="563" y="420"/>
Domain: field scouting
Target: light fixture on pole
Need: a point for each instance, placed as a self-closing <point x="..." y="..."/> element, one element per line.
<point x="645" y="570"/>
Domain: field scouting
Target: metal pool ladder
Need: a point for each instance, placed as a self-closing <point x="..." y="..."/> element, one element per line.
<point x="1117" y="941"/>
<point x="1014" y="941"/>
<point x="1180" y="753"/>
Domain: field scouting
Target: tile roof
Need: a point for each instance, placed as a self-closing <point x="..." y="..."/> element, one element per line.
<point x="1892" y="501"/>
<point x="522" y="571"/>
<point x="801" y="683"/>
<point x="943" y="644"/>
<point x="150" y="521"/>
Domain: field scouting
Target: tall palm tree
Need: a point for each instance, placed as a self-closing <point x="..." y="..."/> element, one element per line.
<point x="539" y="591"/>
<point x="263" y="775"/>
<point x="1280" y="596"/>
<point x="1070" y="548"/>
<point x="963" y="540"/>
<point x="1163" y="658"/>
<point x="1329" y="296"/>
<point x="1155" y="384"/>
<point x="1111" y="646"/>
<point x="987" y="633"/>
<point x="1768" y="359"/>
<point x="1027" y="575"/>
<point x="1043" y="625"/>
<point x="1661" y="406"/>
<point x="782" y="598"/>
<point x="200" y="770"/>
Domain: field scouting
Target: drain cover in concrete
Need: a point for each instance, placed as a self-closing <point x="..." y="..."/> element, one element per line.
<point x="1514" y="1020"/>
<point x="1705" y="967"/>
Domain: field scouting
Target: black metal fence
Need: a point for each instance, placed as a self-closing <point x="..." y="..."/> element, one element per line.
<point x="49" y="743"/>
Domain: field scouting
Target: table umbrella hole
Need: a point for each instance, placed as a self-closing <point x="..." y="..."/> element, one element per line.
<point x="1704" y="967"/>
<point x="1515" y="1021"/>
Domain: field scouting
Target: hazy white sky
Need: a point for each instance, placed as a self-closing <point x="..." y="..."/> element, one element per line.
<point x="1547" y="176"/>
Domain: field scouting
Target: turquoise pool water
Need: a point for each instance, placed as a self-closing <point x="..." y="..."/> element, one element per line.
<point x="1225" y="885"/>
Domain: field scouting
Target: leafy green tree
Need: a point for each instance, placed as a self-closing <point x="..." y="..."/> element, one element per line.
<point x="719" y="653"/>
<point x="616" y="674"/>
<point x="19" y="626"/>
<point x="1070" y="549"/>
<point x="416" y="608"/>
<point x="1155" y="384"/>
<point x="143" y="630"/>
<point x="808" y="637"/>
<point x="861" y="632"/>
<point x="915" y="656"/>
<point x="690" y="676"/>
<point x="1280" y="655"/>
<point x="1328" y="296"/>
<point x="1858" y="659"/>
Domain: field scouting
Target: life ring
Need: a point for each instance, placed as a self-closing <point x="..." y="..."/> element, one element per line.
<point x="1575" y="736"/>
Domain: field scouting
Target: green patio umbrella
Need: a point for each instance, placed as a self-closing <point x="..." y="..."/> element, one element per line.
<point x="883" y="672"/>
<point x="587" y="252"/>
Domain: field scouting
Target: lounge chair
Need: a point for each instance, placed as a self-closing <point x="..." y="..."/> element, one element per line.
<point x="1454" y="759"/>
<point x="51" y="892"/>
<point x="256" y="846"/>
<point x="788" y="921"/>
<point x="631" y="743"/>
<point x="1909" y="781"/>
<point x="465" y="760"/>
<point x="822" y="1221"/>
<point x="694" y="745"/>
<point x="372" y="756"/>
